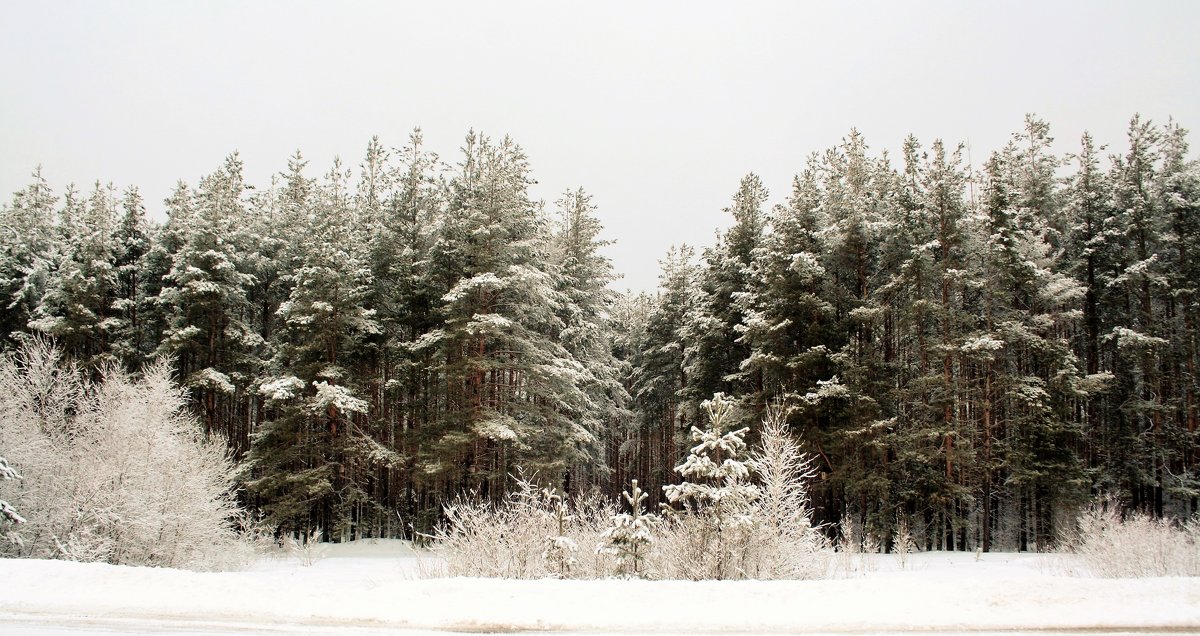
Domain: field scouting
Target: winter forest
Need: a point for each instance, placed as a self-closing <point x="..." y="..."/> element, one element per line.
<point x="967" y="354"/>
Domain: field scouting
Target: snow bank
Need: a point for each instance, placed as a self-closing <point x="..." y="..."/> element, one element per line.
<point x="377" y="584"/>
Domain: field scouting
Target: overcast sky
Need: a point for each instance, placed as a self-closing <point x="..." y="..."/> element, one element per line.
<point x="656" y="108"/>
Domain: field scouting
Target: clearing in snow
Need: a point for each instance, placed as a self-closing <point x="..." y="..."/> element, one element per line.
<point x="375" y="587"/>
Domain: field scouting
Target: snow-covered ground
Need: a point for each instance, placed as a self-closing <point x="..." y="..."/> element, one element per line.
<point x="377" y="587"/>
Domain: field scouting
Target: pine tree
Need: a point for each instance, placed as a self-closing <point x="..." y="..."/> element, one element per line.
<point x="27" y="247"/>
<point x="131" y="239"/>
<point x="76" y="308"/>
<point x="1137" y="339"/>
<point x="204" y="296"/>
<point x="584" y="275"/>
<point x="513" y="392"/>
<point x="926" y="342"/>
<point x="787" y="322"/>
<point x="1178" y="193"/>
<point x="852" y="405"/>
<point x="659" y="380"/>
<point x="1091" y="254"/>
<point x="1029" y="308"/>
<point x="632" y="533"/>
<point x="716" y="486"/>
<point x="313" y="447"/>
<point x="715" y="349"/>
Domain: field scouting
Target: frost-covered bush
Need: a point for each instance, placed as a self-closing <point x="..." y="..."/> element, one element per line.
<point x="114" y="470"/>
<point x="740" y="515"/>
<point x="525" y="536"/>
<point x="307" y="549"/>
<point x="789" y="546"/>
<point x="902" y="542"/>
<point x="1106" y="544"/>
<point x="857" y="550"/>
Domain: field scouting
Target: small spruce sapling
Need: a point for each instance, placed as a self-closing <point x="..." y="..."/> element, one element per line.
<point x="630" y="536"/>
<point x="560" y="549"/>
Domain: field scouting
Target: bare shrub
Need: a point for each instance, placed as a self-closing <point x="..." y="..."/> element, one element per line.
<point x="902" y="542"/>
<point x="857" y="550"/>
<point x="726" y="527"/>
<point x="787" y="544"/>
<point x="510" y="539"/>
<point x="307" y="548"/>
<point x="1107" y="544"/>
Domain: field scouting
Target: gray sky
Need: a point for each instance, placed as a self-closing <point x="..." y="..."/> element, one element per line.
<point x="656" y="108"/>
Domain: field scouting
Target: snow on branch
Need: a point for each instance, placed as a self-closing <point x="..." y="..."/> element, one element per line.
<point x="487" y="281"/>
<point x="339" y="397"/>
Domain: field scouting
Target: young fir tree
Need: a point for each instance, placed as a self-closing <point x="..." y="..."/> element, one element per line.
<point x="716" y="486"/>
<point x="560" y="548"/>
<point x="631" y="534"/>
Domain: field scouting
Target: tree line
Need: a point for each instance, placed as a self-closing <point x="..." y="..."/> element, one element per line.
<point x="970" y="353"/>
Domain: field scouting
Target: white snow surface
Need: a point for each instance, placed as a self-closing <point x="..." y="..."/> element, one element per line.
<point x="377" y="587"/>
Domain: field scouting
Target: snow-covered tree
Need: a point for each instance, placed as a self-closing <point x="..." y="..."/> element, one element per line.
<point x="1031" y="374"/>
<point x="717" y="489"/>
<point x="658" y="378"/>
<point x="715" y="351"/>
<point x="8" y="514"/>
<point x="513" y="392"/>
<point x="27" y="247"/>
<point x="302" y="455"/>
<point x="204" y="295"/>
<point x="631" y="535"/>
<point x="584" y="275"/>
<point x="130" y="340"/>
<point x="77" y="306"/>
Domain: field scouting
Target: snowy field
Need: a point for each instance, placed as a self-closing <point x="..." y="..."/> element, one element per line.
<point x="378" y="587"/>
